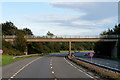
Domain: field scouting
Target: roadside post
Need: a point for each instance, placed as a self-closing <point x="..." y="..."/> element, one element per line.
<point x="91" y="55"/>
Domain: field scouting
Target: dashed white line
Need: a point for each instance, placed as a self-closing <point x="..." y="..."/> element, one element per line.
<point x="55" y="79"/>
<point x="53" y="72"/>
<point x="51" y="67"/>
<point x="23" y="67"/>
<point x="78" y="69"/>
<point x="11" y="77"/>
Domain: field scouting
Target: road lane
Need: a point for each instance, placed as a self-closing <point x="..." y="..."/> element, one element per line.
<point x="109" y="63"/>
<point x="64" y="70"/>
<point x="9" y="69"/>
<point x="105" y="62"/>
<point x="38" y="69"/>
<point x="51" y="67"/>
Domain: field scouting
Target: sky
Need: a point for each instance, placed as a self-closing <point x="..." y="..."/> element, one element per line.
<point x="62" y="18"/>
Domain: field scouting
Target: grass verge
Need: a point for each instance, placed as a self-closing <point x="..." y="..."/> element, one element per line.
<point x="103" y="73"/>
<point x="6" y="59"/>
<point x="77" y="51"/>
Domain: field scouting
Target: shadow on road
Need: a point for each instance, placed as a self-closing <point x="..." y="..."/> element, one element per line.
<point x="58" y="55"/>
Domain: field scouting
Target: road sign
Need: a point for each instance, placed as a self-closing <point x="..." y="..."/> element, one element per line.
<point x="1" y="51"/>
<point x="91" y="54"/>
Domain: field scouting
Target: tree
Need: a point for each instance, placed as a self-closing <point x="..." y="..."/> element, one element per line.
<point x="50" y="34"/>
<point x="27" y="31"/>
<point x="110" y="32"/>
<point x="104" y="48"/>
<point x="104" y="33"/>
<point x="8" y="28"/>
<point x="117" y="29"/>
<point x="20" y="42"/>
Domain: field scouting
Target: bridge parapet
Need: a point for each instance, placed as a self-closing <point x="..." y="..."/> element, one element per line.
<point x="69" y="36"/>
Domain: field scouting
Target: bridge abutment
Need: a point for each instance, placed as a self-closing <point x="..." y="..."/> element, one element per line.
<point x="26" y="51"/>
<point x="114" y="53"/>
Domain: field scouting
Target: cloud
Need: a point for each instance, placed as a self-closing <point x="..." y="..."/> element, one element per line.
<point x="95" y="18"/>
<point x="93" y="10"/>
<point x="69" y="21"/>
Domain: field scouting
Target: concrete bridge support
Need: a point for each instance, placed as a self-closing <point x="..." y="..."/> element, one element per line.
<point x="69" y="48"/>
<point x="114" y="53"/>
<point x="26" y="51"/>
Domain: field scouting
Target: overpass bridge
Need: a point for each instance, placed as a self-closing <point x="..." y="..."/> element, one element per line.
<point x="70" y="38"/>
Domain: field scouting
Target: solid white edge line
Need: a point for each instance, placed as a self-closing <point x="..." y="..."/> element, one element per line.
<point x="24" y="67"/>
<point x="77" y="69"/>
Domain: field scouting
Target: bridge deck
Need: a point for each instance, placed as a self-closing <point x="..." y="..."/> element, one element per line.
<point x="64" y="39"/>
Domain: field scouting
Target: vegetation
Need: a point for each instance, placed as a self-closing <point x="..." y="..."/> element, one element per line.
<point x="6" y="59"/>
<point x="19" y="45"/>
<point x="103" y="49"/>
<point x="20" y="42"/>
<point x="9" y="49"/>
<point x="103" y="73"/>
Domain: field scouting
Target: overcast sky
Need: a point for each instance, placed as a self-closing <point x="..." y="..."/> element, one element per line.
<point x="62" y="18"/>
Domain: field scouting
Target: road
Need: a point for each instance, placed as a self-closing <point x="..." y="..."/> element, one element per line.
<point x="53" y="66"/>
<point x="105" y="62"/>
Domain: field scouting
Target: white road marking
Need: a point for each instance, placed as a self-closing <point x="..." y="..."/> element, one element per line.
<point x="50" y="64"/>
<point x="78" y="69"/>
<point x="53" y="72"/>
<point x="24" y="67"/>
<point x="11" y="77"/>
<point x="51" y="67"/>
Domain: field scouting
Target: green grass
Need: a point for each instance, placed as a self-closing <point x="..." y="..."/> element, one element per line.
<point x="68" y="51"/>
<point x="65" y="51"/>
<point x="6" y="59"/>
<point x="76" y="50"/>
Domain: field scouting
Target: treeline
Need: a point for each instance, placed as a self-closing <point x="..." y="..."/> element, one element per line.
<point x="104" y="49"/>
<point x="19" y="45"/>
<point x="49" y="47"/>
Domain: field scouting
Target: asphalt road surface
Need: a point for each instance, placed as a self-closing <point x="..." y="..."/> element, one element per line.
<point x="52" y="66"/>
<point x="105" y="62"/>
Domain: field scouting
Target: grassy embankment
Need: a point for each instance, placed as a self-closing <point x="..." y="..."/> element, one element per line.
<point x="77" y="51"/>
<point x="6" y="59"/>
<point x="72" y="51"/>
